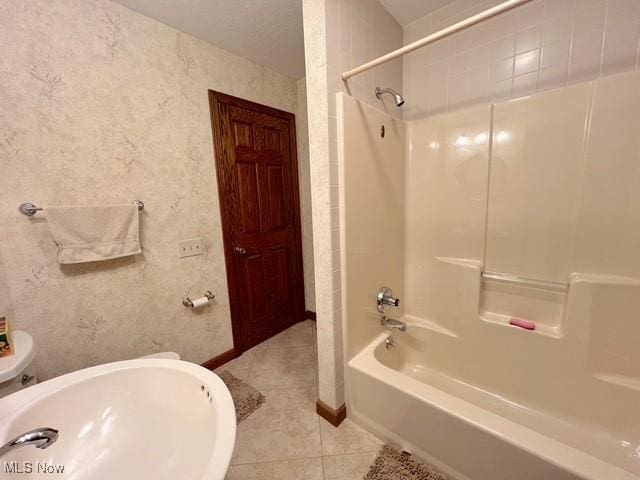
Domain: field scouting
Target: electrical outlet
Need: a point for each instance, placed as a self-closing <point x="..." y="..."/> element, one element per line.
<point x="191" y="247"/>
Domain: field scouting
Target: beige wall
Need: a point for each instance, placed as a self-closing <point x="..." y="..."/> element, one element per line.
<point x="536" y="186"/>
<point x="305" y="194"/>
<point x="562" y="211"/>
<point x="338" y="34"/>
<point x="373" y="206"/>
<point x="446" y="201"/>
<point x="541" y="45"/>
<point x="103" y="105"/>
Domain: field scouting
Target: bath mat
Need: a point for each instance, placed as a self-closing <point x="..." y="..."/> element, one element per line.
<point x="245" y="398"/>
<point x="394" y="464"/>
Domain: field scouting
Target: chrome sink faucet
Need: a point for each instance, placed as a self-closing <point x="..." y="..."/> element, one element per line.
<point x="393" y="323"/>
<point x="40" y="438"/>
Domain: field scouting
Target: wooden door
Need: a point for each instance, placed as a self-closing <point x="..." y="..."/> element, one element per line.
<point x="256" y="163"/>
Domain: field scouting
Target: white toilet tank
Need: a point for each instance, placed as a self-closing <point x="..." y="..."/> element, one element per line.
<point x="16" y="371"/>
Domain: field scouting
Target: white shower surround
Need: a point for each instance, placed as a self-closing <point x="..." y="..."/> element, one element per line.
<point x="463" y="389"/>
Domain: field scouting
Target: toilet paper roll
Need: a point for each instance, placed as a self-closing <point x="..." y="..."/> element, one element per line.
<point x="200" y="302"/>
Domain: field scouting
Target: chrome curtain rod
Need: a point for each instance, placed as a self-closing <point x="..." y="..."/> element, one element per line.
<point x="445" y="32"/>
<point x="29" y="209"/>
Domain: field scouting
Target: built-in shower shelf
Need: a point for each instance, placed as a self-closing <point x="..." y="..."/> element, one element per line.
<point x="515" y="280"/>
<point x="553" y="331"/>
<point x="504" y="296"/>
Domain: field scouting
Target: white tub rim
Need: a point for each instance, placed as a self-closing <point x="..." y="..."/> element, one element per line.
<point x="524" y="438"/>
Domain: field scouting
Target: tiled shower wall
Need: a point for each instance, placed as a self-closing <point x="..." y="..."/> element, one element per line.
<point x="540" y="45"/>
<point x="339" y="34"/>
<point x="359" y="31"/>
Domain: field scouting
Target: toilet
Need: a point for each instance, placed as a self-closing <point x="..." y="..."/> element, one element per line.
<point x="16" y="371"/>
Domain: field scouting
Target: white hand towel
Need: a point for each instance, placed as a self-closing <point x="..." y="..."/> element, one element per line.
<point x="90" y="234"/>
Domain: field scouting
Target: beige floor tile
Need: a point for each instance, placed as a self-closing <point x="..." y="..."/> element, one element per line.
<point x="299" y="335"/>
<point x="304" y="469"/>
<point x="283" y="368"/>
<point x="240" y="367"/>
<point x="347" y="467"/>
<point x="347" y="438"/>
<point x="285" y="427"/>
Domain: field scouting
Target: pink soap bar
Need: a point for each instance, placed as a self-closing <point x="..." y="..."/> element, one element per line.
<point x="522" y="323"/>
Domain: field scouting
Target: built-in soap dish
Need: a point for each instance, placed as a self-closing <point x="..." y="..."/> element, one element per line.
<point x="503" y="297"/>
<point x="505" y="320"/>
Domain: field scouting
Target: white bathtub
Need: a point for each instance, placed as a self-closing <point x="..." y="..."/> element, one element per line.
<point x="427" y="396"/>
<point x="465" y="389"/>
<point x="133" y="420"/>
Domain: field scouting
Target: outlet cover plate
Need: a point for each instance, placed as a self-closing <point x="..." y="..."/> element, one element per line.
<point x="191" y="247"/>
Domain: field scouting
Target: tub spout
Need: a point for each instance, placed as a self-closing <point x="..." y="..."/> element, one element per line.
<point x="392" y="323"/>
<point x="40" y="438"/>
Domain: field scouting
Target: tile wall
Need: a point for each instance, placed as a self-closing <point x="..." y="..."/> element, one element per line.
<point x="538" y="46"/>
<point x="339" y="34"/>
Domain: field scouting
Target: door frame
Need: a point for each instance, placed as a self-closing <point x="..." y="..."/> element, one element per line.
<point x="217" y="124"/>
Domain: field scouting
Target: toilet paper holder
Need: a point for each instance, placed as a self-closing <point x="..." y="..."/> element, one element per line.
<point x="187" y="302"/>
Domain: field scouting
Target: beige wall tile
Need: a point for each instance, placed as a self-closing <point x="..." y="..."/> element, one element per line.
<point x="339" y="34"/>
<point x="581" y="41"/>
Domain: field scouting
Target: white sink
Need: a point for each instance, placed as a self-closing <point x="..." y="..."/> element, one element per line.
<point x="138" y="419"/>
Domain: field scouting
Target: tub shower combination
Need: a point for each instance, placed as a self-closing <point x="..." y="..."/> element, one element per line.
<point x="510" y="234"/>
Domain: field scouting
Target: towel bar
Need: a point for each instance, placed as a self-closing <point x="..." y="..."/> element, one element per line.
<point x="29" y="209"/>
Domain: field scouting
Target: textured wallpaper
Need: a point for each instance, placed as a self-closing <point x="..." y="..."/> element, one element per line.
<point x="103" y="105"/>
<point x="304" y="176"/>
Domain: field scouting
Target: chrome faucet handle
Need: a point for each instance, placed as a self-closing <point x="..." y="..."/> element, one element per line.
<point x="386" y="299"/>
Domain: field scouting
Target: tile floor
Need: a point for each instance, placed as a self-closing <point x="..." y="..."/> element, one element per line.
<point x="285" y="439"/>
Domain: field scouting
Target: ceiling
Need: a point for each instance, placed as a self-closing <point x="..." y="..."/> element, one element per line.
<point x="408" y="11"/>
<point x="267" y="32"/>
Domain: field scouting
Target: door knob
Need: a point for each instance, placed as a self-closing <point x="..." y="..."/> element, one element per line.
<point x="240" y="250"/>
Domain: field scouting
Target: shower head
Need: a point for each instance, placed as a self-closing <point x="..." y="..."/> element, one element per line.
<point x="396" y="96"/>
